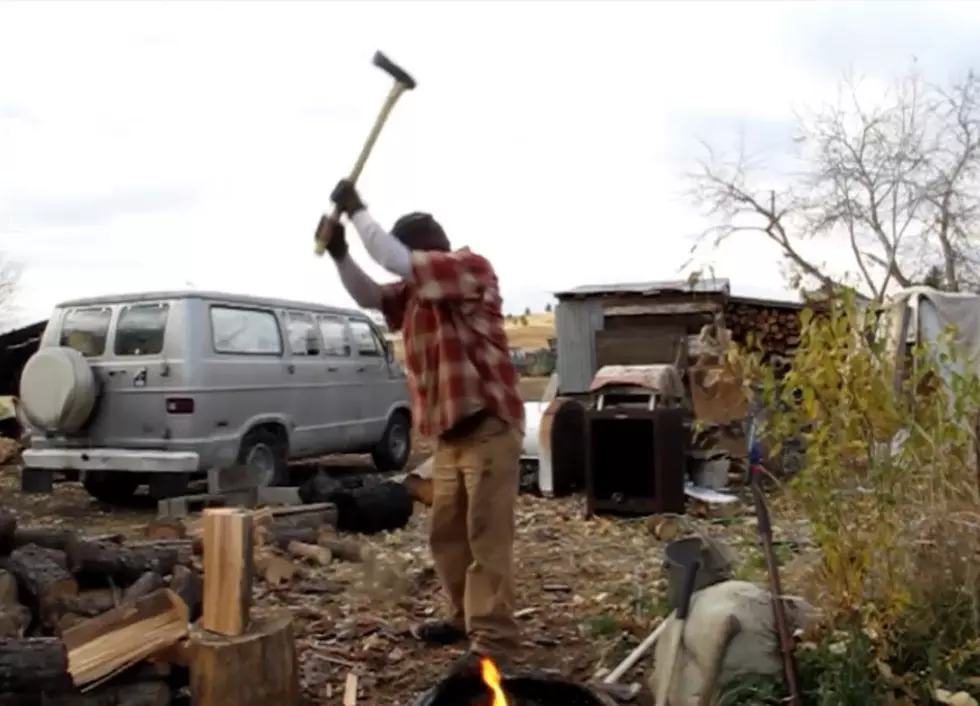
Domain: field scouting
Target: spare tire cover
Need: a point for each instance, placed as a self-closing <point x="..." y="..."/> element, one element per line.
<point x="58" y="390"/>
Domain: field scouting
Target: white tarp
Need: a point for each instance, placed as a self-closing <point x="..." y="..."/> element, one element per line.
<point x="935" y="311"/>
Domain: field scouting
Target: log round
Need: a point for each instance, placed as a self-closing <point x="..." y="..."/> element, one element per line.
<point x="187" y="584"/>
<point x="60" y="538"/>
<point x="258" y="668"/>
<point x="37" y="664"/>
<point x="43" y="578"/>
<point x="374" y="508"/>
<point x="122" y="563"/>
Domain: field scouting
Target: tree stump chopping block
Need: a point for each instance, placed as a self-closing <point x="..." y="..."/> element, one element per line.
<point x="33" y="665"/>
<point x="258" y="668"/>
<point x="41" y="574"/>
<point x="123" y="563"/>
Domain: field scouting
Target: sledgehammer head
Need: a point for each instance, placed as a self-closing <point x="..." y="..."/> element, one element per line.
<point x="324" y="231"/>
<point x="394" y="70"/>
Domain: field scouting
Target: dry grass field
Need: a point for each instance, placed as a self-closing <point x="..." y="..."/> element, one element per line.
<point x="539" y="328"/>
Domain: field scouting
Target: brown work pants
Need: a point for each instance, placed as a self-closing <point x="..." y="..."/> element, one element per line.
<point x="474" y="490"/>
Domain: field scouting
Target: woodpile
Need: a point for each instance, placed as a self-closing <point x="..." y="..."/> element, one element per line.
<point x="775" y="330"/>
<point x="80" y="616"/>
<point x="105" y="621"/>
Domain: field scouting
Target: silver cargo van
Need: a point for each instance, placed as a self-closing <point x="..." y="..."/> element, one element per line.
<point x="161" y="387"/>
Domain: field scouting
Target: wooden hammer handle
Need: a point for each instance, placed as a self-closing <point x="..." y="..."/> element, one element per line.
<point x="323" y="234"/>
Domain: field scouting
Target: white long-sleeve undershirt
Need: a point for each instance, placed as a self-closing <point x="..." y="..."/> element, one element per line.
<point x="383" y="248"/>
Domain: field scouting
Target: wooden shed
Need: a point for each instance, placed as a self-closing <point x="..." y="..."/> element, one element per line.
<point x="641" y="323"/>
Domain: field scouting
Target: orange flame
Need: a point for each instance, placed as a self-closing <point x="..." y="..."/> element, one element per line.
<point x="491" y="677"/>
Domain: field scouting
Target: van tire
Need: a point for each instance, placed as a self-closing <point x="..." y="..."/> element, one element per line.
<point x="111" y="488"/>
<point x="395" y="448"/>
<point x="268" y="450"/>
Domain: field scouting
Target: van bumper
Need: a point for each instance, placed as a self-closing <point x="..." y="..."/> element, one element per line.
<point x="125" y="460"/>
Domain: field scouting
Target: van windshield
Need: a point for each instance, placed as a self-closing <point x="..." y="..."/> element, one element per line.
<point x="141" y="328"/>
<point x="86" y="330"/>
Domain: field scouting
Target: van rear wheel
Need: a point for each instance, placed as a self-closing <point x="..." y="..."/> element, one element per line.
<point x="112" y="488"/>
<point x="395" y="447"/>
<point x="265" y="453"/>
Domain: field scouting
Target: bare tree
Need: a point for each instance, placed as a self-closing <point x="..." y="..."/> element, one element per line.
<point x="895" y="181"/>
<point x="9" y="286"/>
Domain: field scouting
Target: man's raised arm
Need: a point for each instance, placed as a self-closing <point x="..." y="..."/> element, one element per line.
<point x="362" y="289"/>
<point x="389" y="298"/>
<point x="383" y="247"/>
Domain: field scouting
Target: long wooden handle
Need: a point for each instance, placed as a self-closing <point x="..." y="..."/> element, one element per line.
<point x="635" y="656"/>
<point x="323" y="234"/>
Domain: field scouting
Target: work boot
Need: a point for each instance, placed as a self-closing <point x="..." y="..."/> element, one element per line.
<point x="438" y="632"/>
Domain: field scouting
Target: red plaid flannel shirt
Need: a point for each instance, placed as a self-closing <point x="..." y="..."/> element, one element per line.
<point x="456" y="353"/>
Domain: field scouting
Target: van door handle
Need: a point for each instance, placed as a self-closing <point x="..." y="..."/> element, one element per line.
<point x="362" y="369"/>
<point x="290" y="368"/>
<point x="331" y="369"/>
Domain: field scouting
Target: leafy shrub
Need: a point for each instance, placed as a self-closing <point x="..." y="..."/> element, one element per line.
<point x="889" y="488"/>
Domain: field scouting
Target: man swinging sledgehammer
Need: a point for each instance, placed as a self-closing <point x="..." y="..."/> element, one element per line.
<point x="464" y="395"/>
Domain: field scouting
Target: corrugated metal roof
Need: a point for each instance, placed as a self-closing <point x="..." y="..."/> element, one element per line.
<point x="768" y="303"/>
<point x="23" y="333"/>
<point x="701" y="286"/>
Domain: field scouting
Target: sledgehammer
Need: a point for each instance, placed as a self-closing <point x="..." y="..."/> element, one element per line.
<point x="403" y="82"/>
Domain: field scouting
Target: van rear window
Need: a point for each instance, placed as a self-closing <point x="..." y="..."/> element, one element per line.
<point x="140" y="329"/>
<point x="86" y="330"/>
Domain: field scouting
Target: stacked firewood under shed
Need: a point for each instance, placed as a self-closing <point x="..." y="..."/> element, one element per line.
<point x="102" y="621"/>
<point x="775" y="330"/>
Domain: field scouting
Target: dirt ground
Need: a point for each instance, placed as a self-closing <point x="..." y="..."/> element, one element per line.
<point x="588" y="590"/>
<point x="532" y="388"/>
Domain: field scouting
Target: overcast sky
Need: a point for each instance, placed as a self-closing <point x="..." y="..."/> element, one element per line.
<point x="164" y="145"/>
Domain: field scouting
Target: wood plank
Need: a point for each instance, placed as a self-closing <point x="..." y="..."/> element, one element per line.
<point x="350" y="690"/>
<point x="227" y="570"/>
<point x="103" y="646"/>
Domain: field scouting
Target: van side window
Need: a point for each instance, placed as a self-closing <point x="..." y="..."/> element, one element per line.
<point x="365" y="339"/>
<point x="140" y="329"/>
<point x="86" y="330"/>
<point x="245" y="331"/>
<point x="303" y="338"/>
<point x="333" y="331"/>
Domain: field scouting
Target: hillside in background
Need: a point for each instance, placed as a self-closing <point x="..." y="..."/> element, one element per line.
<point x="532" y="335"/>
